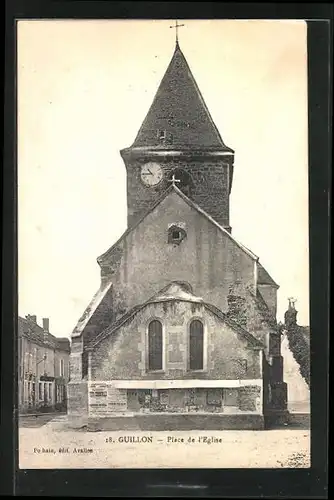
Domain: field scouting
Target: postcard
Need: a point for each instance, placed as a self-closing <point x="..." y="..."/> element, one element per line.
<point x="163" y="288"/>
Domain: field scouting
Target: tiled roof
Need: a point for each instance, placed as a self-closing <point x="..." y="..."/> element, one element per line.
<point x="179" y="109"/>
<point x="90" y="309"/>
<point x="264" y="278"/>
<point x="264" y="309"/>
<point x="32" y="331"/>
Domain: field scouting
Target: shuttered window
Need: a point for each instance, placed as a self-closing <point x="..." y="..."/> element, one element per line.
<point x="196" y="345"/>
<point x="155" y="345"/>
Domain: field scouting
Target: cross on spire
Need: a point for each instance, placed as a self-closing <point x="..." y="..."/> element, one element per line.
<point x="173" y="180"/>
<point x="177" y="26"/>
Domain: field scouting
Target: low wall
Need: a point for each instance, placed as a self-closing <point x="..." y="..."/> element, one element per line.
<point x="177" y="422"/>
<point x="109" y="398"/>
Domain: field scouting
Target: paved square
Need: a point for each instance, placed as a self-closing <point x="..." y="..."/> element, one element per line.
<point x="47" y="447"/>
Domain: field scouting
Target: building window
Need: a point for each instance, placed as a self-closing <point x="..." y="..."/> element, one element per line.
<point x="61" y="367"/>
<point x="155" y="345"/>
<point x="161" y="135"/>
<point x="196" y="342"/>
<point x="164" y="137"/>
<point x="176" y="234"/>
<point x="40" y="391"/>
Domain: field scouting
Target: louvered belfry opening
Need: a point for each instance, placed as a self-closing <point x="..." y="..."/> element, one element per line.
<point x="196" y="345"/>
<point x="155" y="345"/>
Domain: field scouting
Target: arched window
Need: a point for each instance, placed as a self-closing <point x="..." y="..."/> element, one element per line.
<point x="196" y="345"/>
<point x="155" y="345"/>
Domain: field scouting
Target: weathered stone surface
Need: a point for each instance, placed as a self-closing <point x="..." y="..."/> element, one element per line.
<point x="207" y="258"/>
<point x="123" y="355"/>
<point x="209" y="188"/>
<point x="248" y="398"/>
<point x="77" y="398"/>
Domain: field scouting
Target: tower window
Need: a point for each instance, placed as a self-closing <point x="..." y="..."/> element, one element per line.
<point x="196" y="345"/>
<point x="164" y="136"/>
<point x="161" y="135"/>
<point x="155" y="347"/>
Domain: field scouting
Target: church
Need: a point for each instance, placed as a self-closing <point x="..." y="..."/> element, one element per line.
<point x="184" y="322"/>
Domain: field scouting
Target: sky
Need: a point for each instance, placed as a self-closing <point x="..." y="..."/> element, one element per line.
<point x="84" y="88"/>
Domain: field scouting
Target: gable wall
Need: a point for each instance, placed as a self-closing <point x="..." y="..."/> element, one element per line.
<point x="123" y="355"/>
<point x="207" y="258"/>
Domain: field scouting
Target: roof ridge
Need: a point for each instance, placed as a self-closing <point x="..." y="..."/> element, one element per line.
<point x="234" y="325"/>
<point x="202" y="100"/>
<point x="202" y="211"/>
<point x="89" y="310"/>
<point x="114" y="326"/>
<point x="130" y="228"/>
<point x="135" y="309"/>
<point x="259" y="298"/>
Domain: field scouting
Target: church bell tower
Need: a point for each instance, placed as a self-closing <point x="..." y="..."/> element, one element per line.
<point x="179" y="140"/>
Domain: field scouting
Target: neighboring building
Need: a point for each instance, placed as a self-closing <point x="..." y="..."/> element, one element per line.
<point x="43" y="367"/>
<point x="296" y="352"/>
<point x="185" y="317"/>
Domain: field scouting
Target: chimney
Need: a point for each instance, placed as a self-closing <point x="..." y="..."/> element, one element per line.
<point x="32" y="317"/>
<point x="46" y="325"/>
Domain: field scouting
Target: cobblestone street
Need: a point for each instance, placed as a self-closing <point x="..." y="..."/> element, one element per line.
<point x="38" y="420"/>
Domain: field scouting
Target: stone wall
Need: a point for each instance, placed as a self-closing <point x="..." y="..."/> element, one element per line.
<point x="77" y="404"/>
<point x="269" y="294"/>
<point x="123" y="356"/>
<point x="105" y="399"/>
<point x="207" y="258"/>
<point x="76" y="372"/>
<point x="209" y="187"/>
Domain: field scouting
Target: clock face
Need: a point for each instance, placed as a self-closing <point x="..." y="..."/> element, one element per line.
<point x="151" y="174"/>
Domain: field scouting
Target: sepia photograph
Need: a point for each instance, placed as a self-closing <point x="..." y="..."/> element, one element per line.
<point x="163" y="244"/>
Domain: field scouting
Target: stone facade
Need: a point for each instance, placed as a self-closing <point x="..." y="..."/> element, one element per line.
<point x="136" y="276"/>
<point x="119" y="379"/>
<point x="209" y="186"/>
<point x="178" y="263"/>
<point x="123" y="356"/>
<point x="43" y="367"/>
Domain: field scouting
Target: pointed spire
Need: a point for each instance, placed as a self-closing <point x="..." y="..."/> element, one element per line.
<point x="178" y="118"/>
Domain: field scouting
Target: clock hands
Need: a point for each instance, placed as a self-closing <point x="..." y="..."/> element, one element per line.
<point x="151" y="174"/>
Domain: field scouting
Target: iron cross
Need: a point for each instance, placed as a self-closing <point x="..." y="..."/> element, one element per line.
<point x="177" y="26"/>
<point x="173" y="180"/>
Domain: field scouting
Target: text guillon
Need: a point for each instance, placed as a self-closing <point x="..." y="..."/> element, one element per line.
<point x="171" y="439"/>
